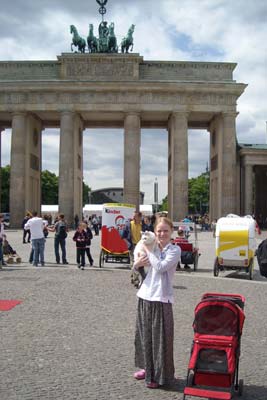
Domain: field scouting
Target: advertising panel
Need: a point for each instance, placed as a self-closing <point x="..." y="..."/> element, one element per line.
<point x="115" y="217"/>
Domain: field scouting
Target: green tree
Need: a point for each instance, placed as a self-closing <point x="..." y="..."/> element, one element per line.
<point x="49" y="187"/>
<point x="86" y="190"/>
<point x="198" y="195"/>
<point x="5" y="184"/>
<point x="164" y="205"/>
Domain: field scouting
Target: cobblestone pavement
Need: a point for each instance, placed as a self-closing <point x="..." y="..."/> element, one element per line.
<point x="72" y="335"/>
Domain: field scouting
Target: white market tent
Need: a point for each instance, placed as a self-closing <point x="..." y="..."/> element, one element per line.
<point x="91" y="209"/>
<point x="51" y="209"/>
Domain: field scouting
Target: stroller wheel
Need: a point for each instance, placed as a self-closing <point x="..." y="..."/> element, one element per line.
<point x="240" y="387"/>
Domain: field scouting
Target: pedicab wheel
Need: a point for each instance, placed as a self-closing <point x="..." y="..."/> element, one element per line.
<point x="216" y="269"/>
<point x="190" y="378"/>
<point x="250" y="269"/>
<point x="101" y="258"/>
<point x="196" y="261"/>
<point x="240" y="387"/>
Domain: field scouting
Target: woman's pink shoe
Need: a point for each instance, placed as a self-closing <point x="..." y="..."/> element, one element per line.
<point x="152" y="385"/>
<point x="140" y="374"/>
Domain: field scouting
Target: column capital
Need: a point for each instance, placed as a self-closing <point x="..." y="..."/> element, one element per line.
<point x="19" y="114"/>
<point x="67" y="112"/>
<point x="179" y="113"/>
<point x="230" y="114"/>
<point x="132" y="113"/>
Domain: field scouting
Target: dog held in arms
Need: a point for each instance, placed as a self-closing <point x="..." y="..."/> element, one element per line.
<point x="149" y="239"/>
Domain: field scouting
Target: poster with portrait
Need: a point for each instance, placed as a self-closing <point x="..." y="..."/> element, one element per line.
<point x="115" y="219"/>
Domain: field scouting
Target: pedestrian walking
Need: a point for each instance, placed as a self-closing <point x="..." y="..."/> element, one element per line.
<point x="95" y="224"/>
<point x="154" y="322"/>
<point x="36" y="225"/>
<point x="88" y="243"/>
<point x="76" y="221"/>
<point x="61" y="232"/>
<point x="26" y="232"/>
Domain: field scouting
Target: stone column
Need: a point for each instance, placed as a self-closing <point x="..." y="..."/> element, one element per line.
<point x="70" y="166"/>
<point x="229" y="162"/>
<point x="132" y="144"/>
<point x="248" y="192"/>
<point x="33" y="164"/>
<point x="25" y="167"/>
<point x="178" y="166"/>
<point x="259" y="199"/>
<point x="17" y="169"/>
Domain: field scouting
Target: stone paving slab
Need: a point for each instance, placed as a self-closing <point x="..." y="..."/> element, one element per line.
<point x="72" y="335"/>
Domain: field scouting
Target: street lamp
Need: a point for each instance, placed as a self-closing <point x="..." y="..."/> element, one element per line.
<point x="156" y="197"/>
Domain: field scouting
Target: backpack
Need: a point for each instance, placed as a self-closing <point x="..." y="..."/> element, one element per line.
<point x="61" y="231"/>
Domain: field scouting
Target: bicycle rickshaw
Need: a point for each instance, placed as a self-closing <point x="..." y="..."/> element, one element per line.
<point x="114" y="249"/>
<point x="189" y="245"/>
<point x="235" y="244"/>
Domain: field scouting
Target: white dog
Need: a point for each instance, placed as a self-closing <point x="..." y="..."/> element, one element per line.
<point x="149" y="239"/>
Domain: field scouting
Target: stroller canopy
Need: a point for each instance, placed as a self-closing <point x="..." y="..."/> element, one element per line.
<point x="218" y="317"/>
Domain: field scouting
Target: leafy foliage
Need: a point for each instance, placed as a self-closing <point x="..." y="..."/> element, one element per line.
<point x="5" y="183"/>
<point x="49" y="188"/>
<point x="49" y="185"/>
<point x="86" y="190"/>
<point x="198" y="195"/>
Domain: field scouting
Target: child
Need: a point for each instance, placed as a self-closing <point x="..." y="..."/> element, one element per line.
<point x="81" y="238"/>
<point x="181" y="239"/>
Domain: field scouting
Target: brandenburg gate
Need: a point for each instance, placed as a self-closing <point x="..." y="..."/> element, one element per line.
<point x="79" y="91"/>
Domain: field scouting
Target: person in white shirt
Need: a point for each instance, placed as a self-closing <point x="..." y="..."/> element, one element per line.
<point x="36" y="225"/>
<point x="154" y="323"/>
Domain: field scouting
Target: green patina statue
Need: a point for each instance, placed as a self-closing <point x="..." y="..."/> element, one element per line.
<point x="77" y="40"/>
<point x="127" y="41"/>
<point x="107" y="41"/>
<point x="112" y="40"/>
<point x="92" y="41"/>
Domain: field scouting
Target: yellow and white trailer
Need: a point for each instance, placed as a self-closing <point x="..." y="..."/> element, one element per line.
<point x="235" y="244"/>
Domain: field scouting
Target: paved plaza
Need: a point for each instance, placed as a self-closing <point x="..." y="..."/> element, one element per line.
<point x="72" y="335"/>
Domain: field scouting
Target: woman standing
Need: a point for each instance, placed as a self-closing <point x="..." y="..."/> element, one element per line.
<point x="154" y="322"/>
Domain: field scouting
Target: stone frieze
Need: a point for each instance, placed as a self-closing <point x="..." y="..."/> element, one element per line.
<point x="116" y="97"/>
<point x="98" y="71"/>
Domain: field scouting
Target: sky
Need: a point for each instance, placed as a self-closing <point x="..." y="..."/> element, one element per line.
<point x="171" y="30"/>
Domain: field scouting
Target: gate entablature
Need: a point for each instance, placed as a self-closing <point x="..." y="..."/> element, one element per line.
<point x="91" y="83"/>
<point x="116" y="90"/>
<point x="114" y="67"/>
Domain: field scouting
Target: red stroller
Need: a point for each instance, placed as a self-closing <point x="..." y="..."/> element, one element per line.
<point x="213" y="365"/>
